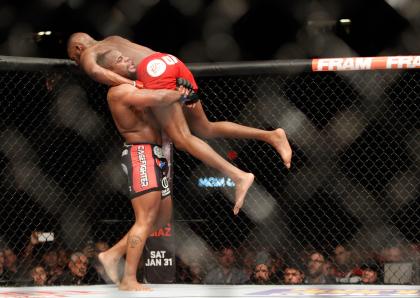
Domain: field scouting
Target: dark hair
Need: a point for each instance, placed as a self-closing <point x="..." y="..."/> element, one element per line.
<point x="370" y="265"/>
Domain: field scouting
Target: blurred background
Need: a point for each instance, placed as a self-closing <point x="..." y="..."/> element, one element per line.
<point x="219" y="30"/>
<point x="354" y="186"/>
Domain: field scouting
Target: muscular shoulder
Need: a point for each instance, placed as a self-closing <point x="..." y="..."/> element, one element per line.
<point x="120" y="92"/>
<point x="96" y="49"/>
<point x="115" y="40"/>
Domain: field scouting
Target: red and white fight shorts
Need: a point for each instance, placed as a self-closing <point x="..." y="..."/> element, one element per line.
<point x="146" y="168"/>
<point x="160" y="71"/>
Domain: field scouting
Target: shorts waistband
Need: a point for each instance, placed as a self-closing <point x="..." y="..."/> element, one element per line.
<point x="133" y="144"/>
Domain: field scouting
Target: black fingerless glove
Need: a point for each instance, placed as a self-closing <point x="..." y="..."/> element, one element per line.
<point x="192" y="97"/>
<point x="184" y="83"/>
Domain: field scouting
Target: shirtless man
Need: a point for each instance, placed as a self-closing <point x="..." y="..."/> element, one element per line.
<point x="172" y="121"/>
<point x="131" y="110"/>
<point x="84" y="50"/>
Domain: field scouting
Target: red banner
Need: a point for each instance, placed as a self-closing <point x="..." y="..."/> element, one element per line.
<point x="366" y="63"/>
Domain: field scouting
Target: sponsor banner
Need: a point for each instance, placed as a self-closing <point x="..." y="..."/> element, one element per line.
<point x="159" y="257"/>
<point x="366" y="63"/>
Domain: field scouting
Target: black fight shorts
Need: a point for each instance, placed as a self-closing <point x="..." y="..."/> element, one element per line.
<point x="146" y="169"/>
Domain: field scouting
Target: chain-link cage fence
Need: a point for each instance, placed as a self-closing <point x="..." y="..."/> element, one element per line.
<point x="348" y="204"/>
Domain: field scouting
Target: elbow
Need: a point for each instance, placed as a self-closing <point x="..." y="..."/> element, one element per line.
<point x="99" y="76"/>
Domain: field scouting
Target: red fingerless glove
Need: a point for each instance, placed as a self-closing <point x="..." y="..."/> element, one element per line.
<point x="138" y="84"/>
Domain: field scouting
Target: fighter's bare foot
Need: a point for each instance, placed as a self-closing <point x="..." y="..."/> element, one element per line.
<point x="242" y="187"/>
<point x="133" y="286"/>
<point x="110" y="264"/>
<point x="278" y="139"/>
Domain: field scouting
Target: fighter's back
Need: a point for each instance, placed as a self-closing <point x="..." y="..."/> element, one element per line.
<point x="127" y="48"/>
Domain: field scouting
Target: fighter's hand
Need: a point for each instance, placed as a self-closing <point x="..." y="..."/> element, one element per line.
<point x="34" y="238"/>
<point x="191" y="97"/>
<point x="181" y="82"/>
<point x="138" y="84"/>
<point x="184" y="94"/>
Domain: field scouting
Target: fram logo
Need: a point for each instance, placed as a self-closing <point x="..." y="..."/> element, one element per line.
<point x="366" y="63"/>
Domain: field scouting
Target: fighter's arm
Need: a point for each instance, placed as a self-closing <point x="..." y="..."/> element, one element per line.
<point x="88" y="61"/>
<point x="130" y="95"/>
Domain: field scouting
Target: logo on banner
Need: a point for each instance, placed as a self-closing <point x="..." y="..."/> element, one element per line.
<point x="158" y="258"/>
<point x="158" y="152"/>
<point x="163" y="232"/>
<point x="156" y="67"/>
<point x="165" y="185"/>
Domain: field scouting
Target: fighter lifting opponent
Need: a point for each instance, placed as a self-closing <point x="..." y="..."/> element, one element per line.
<point x="81" y="45"/>
<point x="84" y="50"/>
<point x="145" y="166"/>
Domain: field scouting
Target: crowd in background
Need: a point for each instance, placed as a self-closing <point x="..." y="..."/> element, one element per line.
<point x="308" y="266"/>
<point x="43" y="264"/>
<point x="46" y="263"/>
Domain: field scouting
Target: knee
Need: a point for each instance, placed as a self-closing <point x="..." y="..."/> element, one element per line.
<point x="204" y="130"/>
<point x="148" y="219"/>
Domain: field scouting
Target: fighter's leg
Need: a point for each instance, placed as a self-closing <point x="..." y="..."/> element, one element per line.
<point x="172" y="120"/>
<point x="111" y="258"/>
<point x="201" y="126"/>
<point x="146" y="208"/>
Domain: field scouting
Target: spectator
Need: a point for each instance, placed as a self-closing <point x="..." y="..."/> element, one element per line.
<point x="226" y="272"/>
<point x="248" y="262"/>
<point x="329" y="269"/>
<point x="276" y="268"/>
<point x="183" y="274"/>
<point x="95" y="272"/>
<point x="75" y="273"/>
<point x="371" y="273"/>
<point x="4" y="273"/>
<point x="51" y="266"/>
<point x="315" y="270"/>
<point x="63" y="257"/>
<point x="392" y="254"/>
<point x="347" y="269"/>
<point x="39" y="276"/>
<point x="28" y="260"/>
<point x="261" y="275"/>
<point x="13" y="267"/>
<point x="293" y="275"/>
<point x="197" y="273"/>
<point x="10" y="261"/>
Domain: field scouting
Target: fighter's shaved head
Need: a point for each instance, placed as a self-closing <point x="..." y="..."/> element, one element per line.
<point x="77" y="43"/>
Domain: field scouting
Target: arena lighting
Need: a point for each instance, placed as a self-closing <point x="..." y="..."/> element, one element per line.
<point x="215" y="182"/>
<point x="40" y="33"/>
<point x="345" y="21"/>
